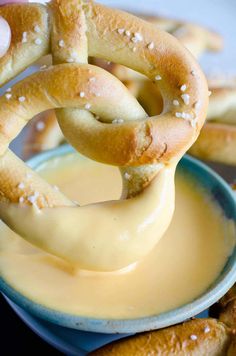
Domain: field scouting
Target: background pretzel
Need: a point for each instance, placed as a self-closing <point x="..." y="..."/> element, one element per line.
<point x="217" y="140"/>
<point x="144" y="145"/>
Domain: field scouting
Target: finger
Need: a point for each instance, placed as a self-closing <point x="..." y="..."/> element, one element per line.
<point x="4" y="2"/>
<point x="5" y="36"/>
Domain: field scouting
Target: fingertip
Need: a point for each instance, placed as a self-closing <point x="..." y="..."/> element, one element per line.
<point x="5" y="36"/>
<point x="5" y="2"/>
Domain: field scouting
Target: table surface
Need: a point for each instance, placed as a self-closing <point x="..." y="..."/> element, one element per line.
<point x="23" y="340"/>
<point x="217" y="14"/>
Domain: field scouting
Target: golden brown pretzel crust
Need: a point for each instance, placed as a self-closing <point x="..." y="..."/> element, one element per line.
<point x="217" y="140"/>
<point x="217" y="143"/>
<point x="196" y="38"/>
<point x="24" y="19"/>
<point x="149" y="140"/>
<point x="194" y="337"/>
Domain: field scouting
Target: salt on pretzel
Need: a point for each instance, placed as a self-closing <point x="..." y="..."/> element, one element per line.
<point x="197" y="39"/>
<point x="194" y="37"/>
<point x="44" y="132"/>
<point x="123" y="135"/>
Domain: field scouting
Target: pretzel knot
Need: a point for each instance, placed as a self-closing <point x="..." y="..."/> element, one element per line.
<point x="99" y="117"/>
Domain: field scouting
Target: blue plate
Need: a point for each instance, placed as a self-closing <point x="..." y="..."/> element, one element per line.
<point x="69" y="341"/>
<point x="216" y="188"/>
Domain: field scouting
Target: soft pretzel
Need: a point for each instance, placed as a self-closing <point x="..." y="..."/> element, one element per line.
<point x="195" y="337"/>
<point x="217" y="140"/>
<point x="196" y="38"/>
<point x="121" y="133"/>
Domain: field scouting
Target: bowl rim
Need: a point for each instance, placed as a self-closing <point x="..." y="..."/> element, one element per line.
<point x="217" y="289"/>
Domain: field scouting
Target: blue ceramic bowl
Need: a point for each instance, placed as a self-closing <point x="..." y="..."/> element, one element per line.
<point x="216" y="188"/>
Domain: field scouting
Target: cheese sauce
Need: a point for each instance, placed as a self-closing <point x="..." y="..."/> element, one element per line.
<point x="183" y="264"/>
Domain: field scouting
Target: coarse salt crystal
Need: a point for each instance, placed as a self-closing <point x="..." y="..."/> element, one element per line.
<point x="87" y="106"/>
<point x="197" y="105"/>
<point x="38" y="41"/>
<point x="183" y="87"/>
<point x="21" y="99"/>
<point x="40" y="125"/>
<point x="37" y="29"/>
<point x="194" y="122"/>
<point x="193" y="337"/>
<point x="175" y="102"/>
<point x="158" y="77"/>
<point x="8" y="96"/>
<point x="117" y="121"/>
<point x="138" y="36"/>
<point x="127" y="176"/>
<point x="121" y="31"/>
<point x="24" y="37"/>
<point x="186" y="98"/>
<point x="21" y="185"/>
<point x="33" y="198"/>
<point x="178" y="114"/>
<point x="61" y="43"/>
<point x="151" y="45"/>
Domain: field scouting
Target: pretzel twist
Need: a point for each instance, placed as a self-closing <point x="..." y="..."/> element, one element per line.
<point x="140" y="144"/>
<point x="44" y="132"/>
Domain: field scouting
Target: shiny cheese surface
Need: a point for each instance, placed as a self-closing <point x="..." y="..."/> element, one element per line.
<point x="182" y="265"/>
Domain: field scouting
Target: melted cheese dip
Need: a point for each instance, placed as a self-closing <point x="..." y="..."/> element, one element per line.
<point x="182" y="265"/>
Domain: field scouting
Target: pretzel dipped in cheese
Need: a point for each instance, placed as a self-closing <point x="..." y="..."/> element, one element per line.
<point x="102" y="120"/>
